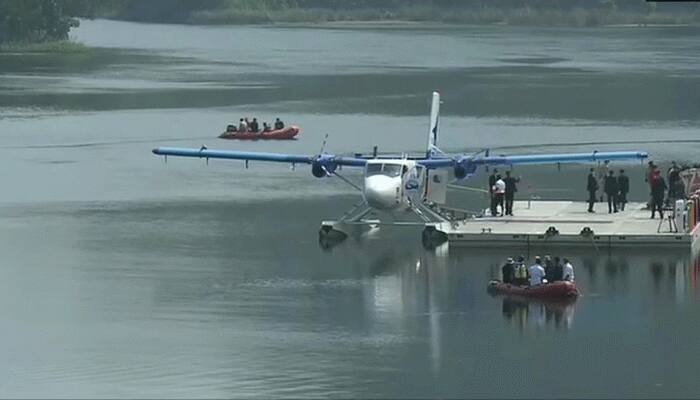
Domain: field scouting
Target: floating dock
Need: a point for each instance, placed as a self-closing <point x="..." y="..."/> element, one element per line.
<point x="567" y="223"/>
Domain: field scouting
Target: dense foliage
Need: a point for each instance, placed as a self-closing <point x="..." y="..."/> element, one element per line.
<point x="38" y="20"/>
<point x="45" y="20"/>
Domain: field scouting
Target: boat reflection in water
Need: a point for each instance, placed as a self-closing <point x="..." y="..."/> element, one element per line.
<point x="524" y="312"/>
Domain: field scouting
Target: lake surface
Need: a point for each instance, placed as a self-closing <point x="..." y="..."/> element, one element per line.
<point x="124" y="276"/>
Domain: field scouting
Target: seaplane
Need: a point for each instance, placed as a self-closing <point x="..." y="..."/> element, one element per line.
<point x="398" y="184"/>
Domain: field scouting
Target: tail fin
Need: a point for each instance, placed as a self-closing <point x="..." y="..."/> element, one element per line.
<point x="434" y="121"/>
<point x="435" y="179"/>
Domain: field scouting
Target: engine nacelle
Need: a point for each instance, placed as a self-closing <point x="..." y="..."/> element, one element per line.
<point x="460" y="172"/>
<point x="317" y="170"/>
<point x="464" y="169"/>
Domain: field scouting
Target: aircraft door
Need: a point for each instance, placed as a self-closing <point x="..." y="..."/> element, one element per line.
<point x="412" y="183"/>
<point x="436" y="186"/>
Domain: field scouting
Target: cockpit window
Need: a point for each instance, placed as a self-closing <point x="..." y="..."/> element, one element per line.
<point x="374" y="169"/>
<point x="391" y="170"/>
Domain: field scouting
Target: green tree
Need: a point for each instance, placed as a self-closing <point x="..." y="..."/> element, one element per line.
<point x="37" y="20"/>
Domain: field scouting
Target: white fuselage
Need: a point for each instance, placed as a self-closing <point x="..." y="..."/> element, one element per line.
<point x="392" y="183"/>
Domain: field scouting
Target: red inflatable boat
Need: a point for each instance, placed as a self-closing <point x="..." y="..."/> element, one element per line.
<point x="554" y="290"/>
<point x="286" y="133"/>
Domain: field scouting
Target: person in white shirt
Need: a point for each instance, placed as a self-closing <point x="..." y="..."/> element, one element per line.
<point x="499" y="191"/>
<point x="536" y="272"/>
<point x="568" y="271"/>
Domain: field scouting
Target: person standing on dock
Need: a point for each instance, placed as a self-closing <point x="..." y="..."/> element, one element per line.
<point x="492" y="197"/>
<point x="611" y="192"/>
<point x="591" y="187"/>
<point x="649" y="179"/>
<point x="536" y="272"/>
<point x="568" y="271"/>
<point x="675" y="185"/>
<point x="602" y="174"/>
<point x="658" y="190"/>
<point x="500" y="193"/>
<point x="623" y="184"/>
<point x="511" y="188"/>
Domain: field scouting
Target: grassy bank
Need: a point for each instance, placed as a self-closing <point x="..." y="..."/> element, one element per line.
<point x="517" y="16"/>
<point x="58" y="46"/>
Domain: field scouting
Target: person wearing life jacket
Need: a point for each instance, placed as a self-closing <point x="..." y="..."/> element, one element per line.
<point x="279" y="124"/>
<point x="521" y="272"/>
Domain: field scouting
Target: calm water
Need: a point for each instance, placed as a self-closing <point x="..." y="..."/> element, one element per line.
<point x="124" y="276"/>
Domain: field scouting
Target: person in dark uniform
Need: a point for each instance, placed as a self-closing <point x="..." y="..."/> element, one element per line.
<point x="658" y="189"/>
<point x="279" y="124"/>
<point x="254" y="127"/>
<point x="611" y="192"/>
<point x="492" y="196"/>
<point x="675" y="185"/>
<point x="508" y="271"/>
<point x="548" y="268"/>
<point x="591" y="187"/>
<point x="558" y="270"/>
<point x="623" y="184"/>
<point x="511" y="188"/>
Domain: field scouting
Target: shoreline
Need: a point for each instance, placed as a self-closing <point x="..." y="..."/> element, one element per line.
<point x="53" y="47"/>
<point x="484" y="17"/>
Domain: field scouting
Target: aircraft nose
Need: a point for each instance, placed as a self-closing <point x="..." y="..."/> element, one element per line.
<point x="381" y="192"/>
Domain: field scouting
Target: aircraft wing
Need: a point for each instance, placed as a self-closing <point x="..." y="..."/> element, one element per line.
<point x="560" y="158"/>
<point x="259" y="156"/>
<point x="531" y="159"/>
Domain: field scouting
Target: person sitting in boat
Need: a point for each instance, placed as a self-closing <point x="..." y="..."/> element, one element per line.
<point x="508" y="271"/>
<point x="568" y="271"/>
<point x="230" y="128"/>
<point x="521" y="272"/>
<point x="242" y="125"/>
<point x="279" y="124"/>
<point x="254" y="125"/>
<point x="266" y="127"/>
<point x="536" y="272"/>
